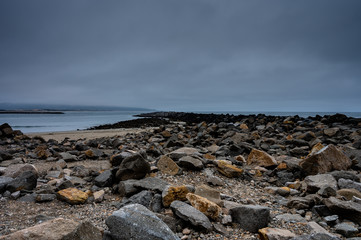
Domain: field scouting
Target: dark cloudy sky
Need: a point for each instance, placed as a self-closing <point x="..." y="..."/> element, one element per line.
<point x="184" y="55"/>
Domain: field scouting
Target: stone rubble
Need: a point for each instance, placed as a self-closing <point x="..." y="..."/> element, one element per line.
<point x="192" y="176"/>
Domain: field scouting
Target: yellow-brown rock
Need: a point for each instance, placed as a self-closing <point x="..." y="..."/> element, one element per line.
<point x="260" y="158"/>
<point x="240" y="158"/>
<point x="166" y="134"/>
<point x="229" y="170"/>
<point x="209" y="208"/>
<point x="42" y="152"/>
<point x="316" y="148"/>
<point x="275" y="234"/>
<point x="167" y="165"/>
<point x="209" y="156"/>
<point x="72" y="196"/>
<point x="174" y="193"/>
<point x="243" y="126"/>
<point x="89" y="153"/>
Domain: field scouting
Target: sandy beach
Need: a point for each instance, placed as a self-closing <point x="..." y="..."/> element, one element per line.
<point x="87" y="134"/>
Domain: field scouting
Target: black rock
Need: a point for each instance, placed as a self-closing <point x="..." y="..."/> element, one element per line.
<point x="25" y="181"/>
<point x="105" y="179"/>
<point x="251" y="217"/>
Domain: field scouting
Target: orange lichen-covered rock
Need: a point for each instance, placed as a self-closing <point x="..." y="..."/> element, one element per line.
<point x="209" y="208"/>
<point x="72" y="196"/>
<point x="229" y="170"/>
<point x="260" y="158"/>
<point x="173" y="193"/>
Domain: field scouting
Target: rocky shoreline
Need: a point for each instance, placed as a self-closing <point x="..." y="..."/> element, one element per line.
<point x="192" y="176"/>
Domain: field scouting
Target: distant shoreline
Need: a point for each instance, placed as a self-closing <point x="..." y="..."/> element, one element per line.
<point x="30" y="112"/>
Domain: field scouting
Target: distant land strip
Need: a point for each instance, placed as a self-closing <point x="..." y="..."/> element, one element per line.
<point x="29" y="112"/>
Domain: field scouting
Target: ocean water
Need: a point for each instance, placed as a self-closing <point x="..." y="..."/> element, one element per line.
<point x="80" y="120"/>
<point x="69" y="121"/>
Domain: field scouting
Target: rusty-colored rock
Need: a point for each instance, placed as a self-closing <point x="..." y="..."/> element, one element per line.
<point x="72" y="196"/>
<point x="275" y="234"/>
<point x="260" y="158"/>
<point x="327" y="159"/>
<point x="174" y="193"/>
<point x="229" y="170"/>
<point x="209" y="208"/>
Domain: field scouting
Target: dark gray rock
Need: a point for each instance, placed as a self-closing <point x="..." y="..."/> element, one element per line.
<point x="331" y="220"/>
<point x="316" y="182"/>
<point x="133" y="167"/>
<point x="346" y="230"/>
<point x="4" y="181"/>
<point x="190" y="163"/>
<point x="4" y="155"/>
<point x="45" y="197"/>
<point x="346" y="183"/>
<point x="126" y="188"/>
<point x="251" y="217"/>
<point x="64" y="184"/>
<point x="25" y="181"/>
<point x="67" y="157"/>
<point x="143" y="198"/>
<point x="346" y="209"/>
<point x="188" y="213"/>
<point x="152" y="183"/>
<point x="327" y="191"/>
<point x="345" y="175"/>
<point x="105" y="179"/>
<point x="137" y="222"/>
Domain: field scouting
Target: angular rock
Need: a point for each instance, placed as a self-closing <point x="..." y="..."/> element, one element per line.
<point x="117" y="159"/>
<point x="209" y="208"/>
<point x="209" y="193"/>
<point x="133" y="167"/>
<point x="190" y="163"/>
<point x="137" y="222"/>
<point x="251" y="217"/>
<point x="173" y="193"/>
<point x="327" y="159"/>
<point x="275" y="234"/>
<point x="190" y="214"/>
<point x="6" y="130"/>
<point x="315" y="228"/>
<point x="105" y="179"/>
<point x="346" y="209"/>
<point x="72" y="196"/>
<point x="127" y="188"/>
<point x="345" y="175"/>
<point x="168" y="166"/>
<point x="260" y="158"/>
<point x="99" y="196"/>
<point x="67" y="157"/>
<point x="143" y="198"/>
<point x="184" y="151"/>
<point x="349" y="184"/>
<point x="57" y="229"/>
<point x="316" y="236"/>
<point x="151" y="183"/>
<point x="346" y="230"/>
<point x="45" y="197"/>
<point x="25" y="181"/>
<point x="229" y="170"/>
<point x="316" y="182"/>
<point x="4" y="181"/>
<point x="15" y="170"/>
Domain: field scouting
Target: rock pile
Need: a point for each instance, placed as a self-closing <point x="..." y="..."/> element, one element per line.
<point x="242" y="177"/>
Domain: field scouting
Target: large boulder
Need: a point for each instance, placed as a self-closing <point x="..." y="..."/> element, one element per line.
<point x="133" y="167"/>
<point x="6" y="130"/>
<point x="327" y="159"/>
<point x="260" y="158"/>
<point x="251" y="217"/>
<point x="136" y="222"/>
<point x="57" y="229"/>
<point x="188" y="213"/>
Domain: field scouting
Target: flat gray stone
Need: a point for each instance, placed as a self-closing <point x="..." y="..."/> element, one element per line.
<point x="349" y="184"/>
<point x="136" y="222"/>
<point x="190" y="214"/>
<point x="151" y="183"/>
<point x="290" y="218"/>
<point x="316" y="182"/>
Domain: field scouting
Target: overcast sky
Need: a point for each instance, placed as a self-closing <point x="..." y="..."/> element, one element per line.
<point x="183" y="55"/>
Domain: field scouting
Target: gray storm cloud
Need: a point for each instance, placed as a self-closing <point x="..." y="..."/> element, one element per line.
<point x="183" y="55"/>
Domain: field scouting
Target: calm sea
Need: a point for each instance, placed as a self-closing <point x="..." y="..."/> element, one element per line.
<point x="74" y="120"/>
